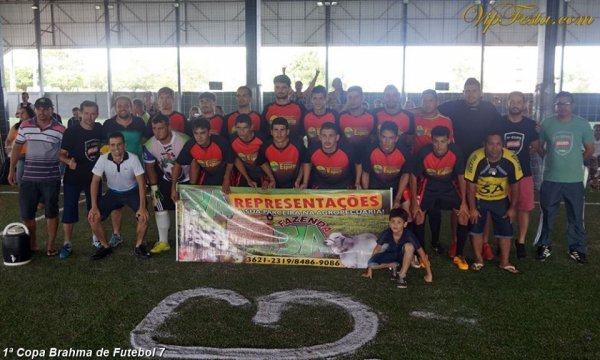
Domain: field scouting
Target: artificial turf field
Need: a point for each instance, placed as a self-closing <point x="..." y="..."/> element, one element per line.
<point x="551" y="310"/>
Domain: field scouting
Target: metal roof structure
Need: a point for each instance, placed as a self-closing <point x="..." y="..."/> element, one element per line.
<point x="136" y="23"/>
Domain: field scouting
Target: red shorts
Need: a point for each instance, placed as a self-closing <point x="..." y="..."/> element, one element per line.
<point x="525" y="202"/>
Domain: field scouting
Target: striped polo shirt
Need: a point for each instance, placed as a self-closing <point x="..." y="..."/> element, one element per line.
<point x="43" y="146"/>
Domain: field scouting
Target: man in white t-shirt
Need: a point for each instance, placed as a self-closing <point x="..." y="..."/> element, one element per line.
<point x="126" y="186"/>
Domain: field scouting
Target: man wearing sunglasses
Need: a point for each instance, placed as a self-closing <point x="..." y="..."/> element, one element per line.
<point x="563" y="136"/>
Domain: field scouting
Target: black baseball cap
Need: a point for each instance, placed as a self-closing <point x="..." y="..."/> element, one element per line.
<point x="43" y="103"/>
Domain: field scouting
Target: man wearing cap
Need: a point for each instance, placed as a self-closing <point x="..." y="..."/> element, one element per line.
<point x="208" y="105"/>
<point x="41" y="177"/>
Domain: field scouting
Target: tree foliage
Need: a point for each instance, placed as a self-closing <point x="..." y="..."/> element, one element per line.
<point x="303" y="68"/>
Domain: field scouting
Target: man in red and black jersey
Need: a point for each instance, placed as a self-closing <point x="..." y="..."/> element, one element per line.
<point x="285" y="108"/>
<point x="426" y="118"/>
<point x="177" y="121"/>
<point x="392" y="111"/>
<point x="439" y="175"/>
<point x="314" y="119"/>
<point x="210" y="157"/>
<point x="243" y="97"/>
<point x="356" y="124"/>
<point x="386" y="164"/>
<point x="332" y="165"/>
<point x="208" y="104"/>
<point x="285" y="156"/>
<point x="246" y="145"/>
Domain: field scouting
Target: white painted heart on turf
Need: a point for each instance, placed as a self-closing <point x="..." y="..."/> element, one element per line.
<point x="269" y="312"/>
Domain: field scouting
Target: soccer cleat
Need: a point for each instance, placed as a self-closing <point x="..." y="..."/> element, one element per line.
<point x="115" y="240"/>
<point x="521" y="252"/>
<point x="66" y="250"/>
<point x="160" y="247"/>
<point x="402" y="284"/>
<point x="140" y="251"/>
<point x="101" y="253"/>
<point x="452" y="250"/>
<point x="488" y="254"/>
<point x="460" y="263"/>
<point x="543" y="252"/>
<point x="579" y="258"/>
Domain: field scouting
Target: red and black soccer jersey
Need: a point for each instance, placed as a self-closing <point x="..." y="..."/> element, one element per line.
<point x="212" y="159"/>
<point x="332" y="171"/>
<point x="357" y="130"/>
<point x="217" y="125"/>
<point x="292" y="112"/>
<point x="248" y="153"/>
<point x="312" y="125"/>
<point x="177" y="122"/>
<point x="438" y="174"/>
<point x="285" y="163"/>
<point x="254" y="116"/>
<point x="404" y="119"/>
<point x="385" y="169"/>
<point x="423" y="129"/>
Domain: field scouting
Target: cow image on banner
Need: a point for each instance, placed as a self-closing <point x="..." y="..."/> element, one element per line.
<point x="331" y="228"/>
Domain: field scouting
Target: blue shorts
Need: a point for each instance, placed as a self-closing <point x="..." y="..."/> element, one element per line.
<point x="113" y="200"/>
<point x="31" y="193"/>
<point x="71" y="201"/>
<point x="502" y="226"/>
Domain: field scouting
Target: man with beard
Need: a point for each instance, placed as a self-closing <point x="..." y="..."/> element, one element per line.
<point x="356" y="124"/>
<point x="208" y="109"/>
<point x="393" y="112"/>
<point x="472" y="118"/>
<point x="283" y="107"/>
<point x="177" y="121"/>
<point x="79" y="151"/>
<point x="319" y="115"/>
<point x="243" y="96"/>
<point x="133" y="129"/>
<point x="521" y="137"/>
<point x="160" y="152"/>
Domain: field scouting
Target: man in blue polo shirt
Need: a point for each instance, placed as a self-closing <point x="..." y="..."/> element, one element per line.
<point x="41" y="177"/>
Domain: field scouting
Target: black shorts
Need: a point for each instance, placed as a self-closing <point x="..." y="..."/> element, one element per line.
<point x="432" y="200"/>
<point x="113" y="200"/>
<point x="31" y="193"/>
<point x="502" y="227"/>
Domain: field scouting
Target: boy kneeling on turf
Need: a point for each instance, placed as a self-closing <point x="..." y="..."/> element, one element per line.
<point x="396" y="246"/>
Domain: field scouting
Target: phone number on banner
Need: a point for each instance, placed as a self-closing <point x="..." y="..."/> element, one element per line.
<point x="282" y="260"/>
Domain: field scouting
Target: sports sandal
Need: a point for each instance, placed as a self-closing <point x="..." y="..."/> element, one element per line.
<point x="511" y="269"/>
<point x="476" y="266"/>
<point x="51" y="252"/>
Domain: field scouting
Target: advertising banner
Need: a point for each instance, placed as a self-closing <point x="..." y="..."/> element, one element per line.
<point x="332" y="228"/>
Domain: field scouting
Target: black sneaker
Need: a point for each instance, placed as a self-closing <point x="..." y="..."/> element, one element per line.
<point x="543" y="252"/>
<point x="579" y="258"/>
<point x="438" y="249"/>
<point x="393" y="274"/>
<point x="101" y="253"/>
<point x="521" y="252"/>
<point x="402" y="284"/>
<point x="140" y="251"/>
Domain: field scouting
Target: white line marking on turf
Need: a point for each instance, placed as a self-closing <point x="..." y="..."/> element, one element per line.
<point x="434" y="316"/>
<point x="269" y="312"/>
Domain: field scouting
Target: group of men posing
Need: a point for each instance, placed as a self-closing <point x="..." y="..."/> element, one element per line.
<point x="461" y="156"/>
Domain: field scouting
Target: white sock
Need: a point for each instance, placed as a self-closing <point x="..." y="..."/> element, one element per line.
<point x="163" y="222"/>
